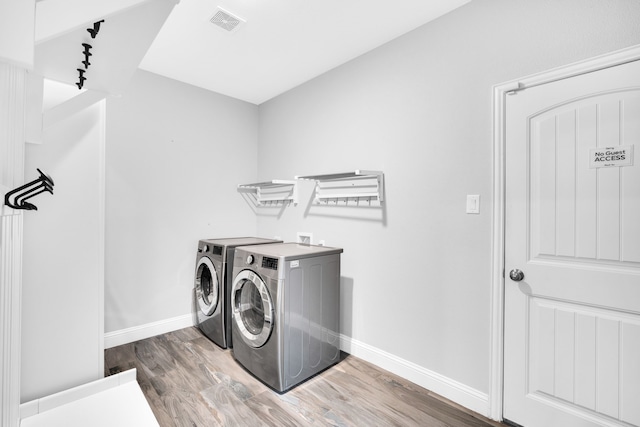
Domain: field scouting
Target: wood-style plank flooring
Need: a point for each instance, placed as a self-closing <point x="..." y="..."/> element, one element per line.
<point x="190" y="381"/>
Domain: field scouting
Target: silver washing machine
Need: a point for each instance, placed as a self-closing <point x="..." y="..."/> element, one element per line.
<point x="285" y="301"/>
<point x="214" y="267"/>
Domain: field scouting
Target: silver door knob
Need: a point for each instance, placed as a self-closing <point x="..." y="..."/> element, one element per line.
<point x="516" y="275"/>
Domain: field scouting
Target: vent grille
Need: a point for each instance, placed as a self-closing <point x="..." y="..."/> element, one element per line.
<point x="226" y="20"/>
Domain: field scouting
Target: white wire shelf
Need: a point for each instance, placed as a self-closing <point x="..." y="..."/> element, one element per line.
<point x="358" y="185"/>
<point x="274" y="192"/>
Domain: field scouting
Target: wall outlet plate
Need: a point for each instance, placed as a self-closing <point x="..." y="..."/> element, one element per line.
<point x="305" y="238"/>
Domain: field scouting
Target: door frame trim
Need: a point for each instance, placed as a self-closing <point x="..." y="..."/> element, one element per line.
<point x="500" y="92"/>
<point x="12" y="84"/>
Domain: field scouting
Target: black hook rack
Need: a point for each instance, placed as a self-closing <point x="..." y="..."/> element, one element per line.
<point x="87" y="53"/>
<point x="17" y="199"/>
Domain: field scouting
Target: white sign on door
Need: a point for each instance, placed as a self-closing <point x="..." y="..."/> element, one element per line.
<point x="606" y="157"/>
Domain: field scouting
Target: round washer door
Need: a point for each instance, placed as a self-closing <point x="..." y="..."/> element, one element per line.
<point x="206" y="286"/>
<point x="252" y="308"/>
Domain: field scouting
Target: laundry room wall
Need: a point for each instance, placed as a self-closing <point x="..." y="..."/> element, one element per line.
<point x="63" y="258"/>
<point x="175" y="155"/>
<point x="416" y="274"/>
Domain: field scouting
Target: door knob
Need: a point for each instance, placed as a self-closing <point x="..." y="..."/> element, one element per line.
<point x="516" y="275"/>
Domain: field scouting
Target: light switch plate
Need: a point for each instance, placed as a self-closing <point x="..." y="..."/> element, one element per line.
<point x="473" y="203"/>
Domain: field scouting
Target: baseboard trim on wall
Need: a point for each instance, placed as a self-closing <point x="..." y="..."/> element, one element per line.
<point x="455" y="391"/>
<point x="136" y="333"/>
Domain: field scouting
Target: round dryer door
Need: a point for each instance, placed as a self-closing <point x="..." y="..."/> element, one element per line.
<point x="252" y="308"/>
<point x="206" y="286"/>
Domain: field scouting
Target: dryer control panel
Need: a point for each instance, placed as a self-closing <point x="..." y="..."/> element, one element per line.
<point x="271" y="263"/>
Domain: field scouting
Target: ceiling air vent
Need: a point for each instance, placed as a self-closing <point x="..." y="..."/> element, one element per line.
<point x="226" y="20"/>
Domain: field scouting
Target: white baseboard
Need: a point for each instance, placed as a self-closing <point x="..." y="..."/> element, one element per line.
<point x="455" y="391"/>
<point x="136" y="333"/>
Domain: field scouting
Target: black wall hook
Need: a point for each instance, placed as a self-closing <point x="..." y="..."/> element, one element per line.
<point x="87" y="48"/>
<point x="96" y="27"/>
<point x="81" y="78"/>
<point x="87" y="54"/>
<point x="17" y="199"/>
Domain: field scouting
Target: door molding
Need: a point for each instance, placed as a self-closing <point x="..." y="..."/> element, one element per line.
<point x="12" y="88"/>
<point x="500" y="92"/>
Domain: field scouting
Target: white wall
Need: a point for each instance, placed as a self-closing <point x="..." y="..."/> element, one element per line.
<point x="175" y="155"/>
<point x="62" y="312"/>
<point x="416" y="278"/>
<point x="17" y="29"/>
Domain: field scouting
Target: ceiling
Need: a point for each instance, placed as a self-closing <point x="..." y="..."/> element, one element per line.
<point x="277" y="45"/>
<point x="281" y="44"/>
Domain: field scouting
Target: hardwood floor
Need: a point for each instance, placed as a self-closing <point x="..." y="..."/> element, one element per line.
<point x="189" y="381"/>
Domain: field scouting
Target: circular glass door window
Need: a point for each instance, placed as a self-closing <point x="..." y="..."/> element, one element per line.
<point x="206" y="286"/>
<point x="252" y="308"/>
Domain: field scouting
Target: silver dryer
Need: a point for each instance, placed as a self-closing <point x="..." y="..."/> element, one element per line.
<point x="285" y="303"/>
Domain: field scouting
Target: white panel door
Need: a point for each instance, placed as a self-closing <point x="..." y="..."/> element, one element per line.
<point x="572" y="324"/>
